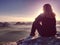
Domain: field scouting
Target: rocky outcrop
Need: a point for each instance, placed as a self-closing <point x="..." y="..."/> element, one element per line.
<point x="1" y="24"/>
<point x="19" y="23"/>
<point x="40" y="41"/>
<point x="5" y="24"/>
<point x="23" y="23"/>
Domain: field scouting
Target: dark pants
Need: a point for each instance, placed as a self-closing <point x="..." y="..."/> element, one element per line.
<point x="34" y="27"/>
<point x="42" y="31"/>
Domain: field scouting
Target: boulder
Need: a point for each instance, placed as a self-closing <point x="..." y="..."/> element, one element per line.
<point x="1" y="24"/>
<point x="40" y="41"/>
<point x="5" y="24"/>
<point x="20" y="23"/>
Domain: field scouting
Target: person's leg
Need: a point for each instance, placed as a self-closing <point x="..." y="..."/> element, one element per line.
<point x="39" y="29"/>
<point x="33" y="29"/>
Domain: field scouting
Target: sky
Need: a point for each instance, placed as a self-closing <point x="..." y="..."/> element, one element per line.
<point x="25" y="10"/>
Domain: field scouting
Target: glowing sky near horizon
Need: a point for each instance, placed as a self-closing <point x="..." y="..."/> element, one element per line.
<point x="25" y="10"/>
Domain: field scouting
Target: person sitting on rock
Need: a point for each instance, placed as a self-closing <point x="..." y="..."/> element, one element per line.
<point x="45" y="23"/>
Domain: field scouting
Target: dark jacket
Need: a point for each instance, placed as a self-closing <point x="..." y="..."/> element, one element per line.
<point x="46" y="25"/>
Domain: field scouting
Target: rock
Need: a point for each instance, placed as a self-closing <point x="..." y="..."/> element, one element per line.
<point x="20" y="23"/>
<point x="40" y="41"/>
<point x="5" y="24"/>
<point x="1" y="24"/>
<point x="23" y="23"/>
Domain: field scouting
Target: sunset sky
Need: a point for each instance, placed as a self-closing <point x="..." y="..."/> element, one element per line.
<point x="25" y="10"/>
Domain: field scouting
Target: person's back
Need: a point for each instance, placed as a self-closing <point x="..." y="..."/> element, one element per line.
<point x="48" y="25"/>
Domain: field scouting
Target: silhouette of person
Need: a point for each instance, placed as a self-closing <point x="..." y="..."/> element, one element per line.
<point x="45" y="23"/>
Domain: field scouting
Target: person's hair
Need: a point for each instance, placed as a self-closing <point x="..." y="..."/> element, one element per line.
<point x="48" y="10"/>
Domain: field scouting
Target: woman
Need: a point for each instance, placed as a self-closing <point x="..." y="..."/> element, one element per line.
<point x="45" y="23"/>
